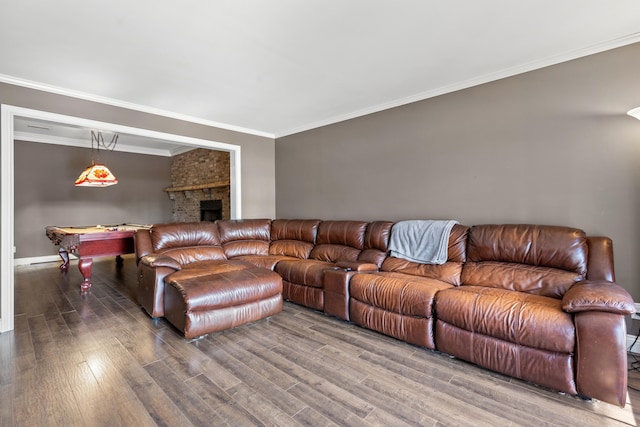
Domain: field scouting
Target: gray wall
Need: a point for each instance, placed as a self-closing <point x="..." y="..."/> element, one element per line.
<point x="552" y="146"/>
<point x="45" y="194"/>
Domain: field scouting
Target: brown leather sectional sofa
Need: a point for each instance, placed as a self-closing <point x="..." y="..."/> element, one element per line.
<point x="533" y="302"/>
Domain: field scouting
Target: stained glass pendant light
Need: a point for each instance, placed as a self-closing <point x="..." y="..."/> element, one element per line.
<point x="97" y="174"/>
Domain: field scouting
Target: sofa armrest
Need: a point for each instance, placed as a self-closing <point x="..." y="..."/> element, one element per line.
<point x="142" y="243"/>
<point x="598" y="295"/>
<point x="359" y="266"/>
<point x="336" y="292"/>
<point x="150" y="290"/>
<point x="160" y="261"/>
<point x="601" y="337"/>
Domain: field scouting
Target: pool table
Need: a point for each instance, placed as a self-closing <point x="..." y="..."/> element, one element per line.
<point x="92" y="241"/>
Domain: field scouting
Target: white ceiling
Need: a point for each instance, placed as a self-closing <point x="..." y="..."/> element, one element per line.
<point x="278" y="67"/>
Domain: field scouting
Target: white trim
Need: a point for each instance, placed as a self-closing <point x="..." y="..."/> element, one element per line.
<point x="508" y="72"/>
<point x="179" y="150"/>
<point x="8" y="115"/>
<point x="6" y="219"/>
<point x="73" y="142"/>
<point x="636" y="347"/>
<point x="19" y="262"/>
<point x="235" y="183"/>
<point x="634" y="113"/>
<point x="128" y="105"/>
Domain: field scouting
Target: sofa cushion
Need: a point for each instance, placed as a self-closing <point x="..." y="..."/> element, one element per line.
<point x="333" y="253"/>
<point x="376" y="239"/>
<point x="293" y="238"/>
<point x="265" y="261"/>
<point x="224" y="289"/>
<point x="245" y="237"/>
<point x="448" y="272"/>
<point x="291" y="248"/>
<point x="304" y="230"/>
<point x="190" y="254"/>
<point x="339" y="240"/>
<point x="346" y="233"/>
<point x="541" y="245"/>
<point x="397" y="293"/>
<point x="529" y="320"/>
<point x="205" y="268"/>
<point x="308" y="272"/>
<point x="550" y="282"/>
<point x="178" y="235"/>
<point x="246" y="247"/>
<point x="244" y="229"/>
<point x="542" y="260"/>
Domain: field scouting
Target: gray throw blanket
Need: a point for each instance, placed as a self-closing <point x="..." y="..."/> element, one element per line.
<point x="423" y="241"/>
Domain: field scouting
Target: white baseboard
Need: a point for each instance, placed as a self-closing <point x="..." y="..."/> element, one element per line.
<point x="636" y="346"/>
<point x="18" y="262"/>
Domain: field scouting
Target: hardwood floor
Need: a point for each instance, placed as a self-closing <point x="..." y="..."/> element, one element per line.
<point x="97" y="359"/>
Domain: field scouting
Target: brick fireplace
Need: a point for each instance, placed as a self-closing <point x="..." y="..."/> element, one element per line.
<point x="200" y="175"/>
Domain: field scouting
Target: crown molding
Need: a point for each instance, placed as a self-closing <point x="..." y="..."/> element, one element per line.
<point x="73" y="142"/>
<point x="487" y="78"/>
<point x="128" y="105"/>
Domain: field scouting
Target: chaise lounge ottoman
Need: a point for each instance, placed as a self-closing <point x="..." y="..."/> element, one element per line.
<point x="203" y="304"/>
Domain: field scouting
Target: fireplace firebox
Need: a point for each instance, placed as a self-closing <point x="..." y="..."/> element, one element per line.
<point x="210" y="210"/>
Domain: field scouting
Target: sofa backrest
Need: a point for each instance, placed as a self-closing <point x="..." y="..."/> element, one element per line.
<point x="293" y="237"/>
<point x="339" y="240"/>
<point x="245" y="236"/>
<point x="187" y="241"/>
<point x="449" y="272"/>
<point x="537" y="259"/>
<point x="376" y="240"/>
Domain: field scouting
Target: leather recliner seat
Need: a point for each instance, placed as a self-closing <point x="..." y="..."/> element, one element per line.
<point x="398" y="300"/>
<point x="303" y="279"/>
<point x="167" y="248"/>
<point x="185" y="276"/>
<point x="511" y="313"/>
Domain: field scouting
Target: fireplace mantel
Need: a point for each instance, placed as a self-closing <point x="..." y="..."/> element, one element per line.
<point x="188" y="189"/>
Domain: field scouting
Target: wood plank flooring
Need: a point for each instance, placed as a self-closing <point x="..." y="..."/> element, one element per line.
<point x="97" y="359"/>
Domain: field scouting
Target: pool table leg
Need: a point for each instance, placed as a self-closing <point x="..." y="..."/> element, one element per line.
<point x="84" y="265"/>
<point x="65" y="259"/>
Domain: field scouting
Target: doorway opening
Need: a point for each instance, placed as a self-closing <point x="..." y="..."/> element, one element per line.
<point x="8" y="116"/>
